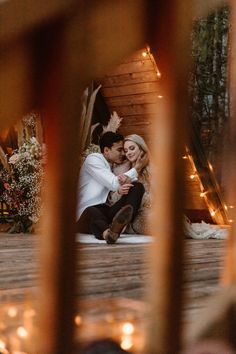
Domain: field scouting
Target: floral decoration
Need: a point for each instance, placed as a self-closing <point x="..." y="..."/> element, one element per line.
<point x="22" y="183"/>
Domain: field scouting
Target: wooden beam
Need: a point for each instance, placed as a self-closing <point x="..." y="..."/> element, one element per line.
<point x="229" y="275"/>
<point x="17" y="18"/>
<point x="173" y="48"/>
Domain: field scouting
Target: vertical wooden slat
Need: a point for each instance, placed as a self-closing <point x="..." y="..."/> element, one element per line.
<point x="80" y="54"/>
<point x="229" y="274"/>
<point x="170" y="33"/>
<point x="61" y="103"/>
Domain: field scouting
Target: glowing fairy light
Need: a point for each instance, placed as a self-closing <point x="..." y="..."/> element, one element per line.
<point x="160" y="96"/>
<point x="12" y="312"/>
<point x="144" y="54"/>
<point x="184" y="157"/>
<point x="128" y="328"/>
<point x="192" y="176"/>
<point x="213" y="213"/>
<point x="231" y="220"/>
<point x="158" y="74"/>
<point x="78" y="320"/>
<point x="126" y="343"/>
<point x="22" y="332"/>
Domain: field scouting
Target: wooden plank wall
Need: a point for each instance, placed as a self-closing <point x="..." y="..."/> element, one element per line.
<point x="132" y="89"/>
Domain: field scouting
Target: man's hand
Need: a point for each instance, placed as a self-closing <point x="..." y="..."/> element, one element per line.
<point x="142" y="161"/>
<point x="124" y="189"/>
<point x="122" y="179"/>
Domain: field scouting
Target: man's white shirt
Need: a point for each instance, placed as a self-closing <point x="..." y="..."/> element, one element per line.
<point x="96" y="181"/>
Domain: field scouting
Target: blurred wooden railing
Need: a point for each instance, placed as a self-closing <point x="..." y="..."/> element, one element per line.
<point x="49" y="51"/>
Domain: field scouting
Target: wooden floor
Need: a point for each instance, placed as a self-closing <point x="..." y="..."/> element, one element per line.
<point x="111" y="270"/>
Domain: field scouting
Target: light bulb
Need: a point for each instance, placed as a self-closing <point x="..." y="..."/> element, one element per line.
<point x="128" y="328"/>
<point x="22" y="332"/>
<point x="126" y="343"/>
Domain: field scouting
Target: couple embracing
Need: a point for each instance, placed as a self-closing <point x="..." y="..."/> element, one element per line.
<point x="113" y="194"/>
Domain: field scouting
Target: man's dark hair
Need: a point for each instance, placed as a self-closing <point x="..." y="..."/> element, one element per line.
<point x="108" y="139"/>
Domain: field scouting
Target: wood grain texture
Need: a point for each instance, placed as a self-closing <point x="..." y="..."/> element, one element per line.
<point x="110" y="271"/>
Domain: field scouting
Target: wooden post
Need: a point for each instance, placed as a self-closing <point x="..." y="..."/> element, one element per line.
<point x="229" y="274"/>
<point x="80" y="52"/>
<point x="170" y="26"/>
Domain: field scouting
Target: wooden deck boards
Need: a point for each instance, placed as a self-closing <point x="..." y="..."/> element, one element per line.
<point x="111" y="270"/>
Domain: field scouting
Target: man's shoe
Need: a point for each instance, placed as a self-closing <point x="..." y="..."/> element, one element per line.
<point x="110" y="237"/>
<point x="120" y="220"/>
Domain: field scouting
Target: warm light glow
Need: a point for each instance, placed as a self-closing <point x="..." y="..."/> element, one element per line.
<point x="12" y="312"/>
<point x="202" y="194"/>
<point x="21" y="331"/>
<point x="2" y="344"/>
<point x="210" y="166"/>
<point x="184" y="157"/>
<point x="126" y="343"/>
<point x="192" y="176"/>
<point x="144" y="54"/>
<point x="128" y="328"/>
<point x="160" y="96"/>
<point x="159" y="74"/>
<point x="231" y="206"/>
<point x="231" y="220"/>
<point x="213" y="213"/>
<point x="226" y="208"/>
<point x="78" y="320"/>
<point x="29" y="313"/>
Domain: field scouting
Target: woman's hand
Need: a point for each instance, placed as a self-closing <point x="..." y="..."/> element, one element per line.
<point x="142" y="161"/>
<point x="124" y="189"/>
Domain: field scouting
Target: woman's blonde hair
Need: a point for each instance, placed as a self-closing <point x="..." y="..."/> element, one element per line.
<point x="138" y="140"/>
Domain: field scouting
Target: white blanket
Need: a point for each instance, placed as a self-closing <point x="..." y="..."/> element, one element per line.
<point x="124" y="238"/>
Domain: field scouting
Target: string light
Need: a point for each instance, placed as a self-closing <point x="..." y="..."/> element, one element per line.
<point x="192" y="176"/>
<point x="158" y="74"/>
<point x="210" y="166"/>
<point x="226" y="208"/>
<point x="231" y="220"/>
<point x="22" y="332"/>
<point x="231" y="206"/>
<point x="185" y="157"/>
<point x="128" y="328"/>
<point x="126" y="343"/>
<point x="78" y="320"/>
<point x="213" y="213"/>
<point x="202" y="194"/>
<point x="160" y="96"/>
<point x="144" y="54"/>
<point x="12" y="312"/>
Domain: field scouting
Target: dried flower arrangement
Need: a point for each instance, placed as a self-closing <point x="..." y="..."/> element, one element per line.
<point x="22" y="177"/>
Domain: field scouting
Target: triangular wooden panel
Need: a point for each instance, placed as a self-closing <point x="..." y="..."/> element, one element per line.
<point x="132" y="89"/>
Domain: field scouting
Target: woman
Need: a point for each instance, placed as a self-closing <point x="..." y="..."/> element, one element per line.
<point x="134" y="145"/>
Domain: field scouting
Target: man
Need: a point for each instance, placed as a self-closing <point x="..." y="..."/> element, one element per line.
<point x="97" y="180"/>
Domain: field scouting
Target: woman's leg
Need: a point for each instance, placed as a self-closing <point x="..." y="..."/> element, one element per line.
<point x="133" y="198"/>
